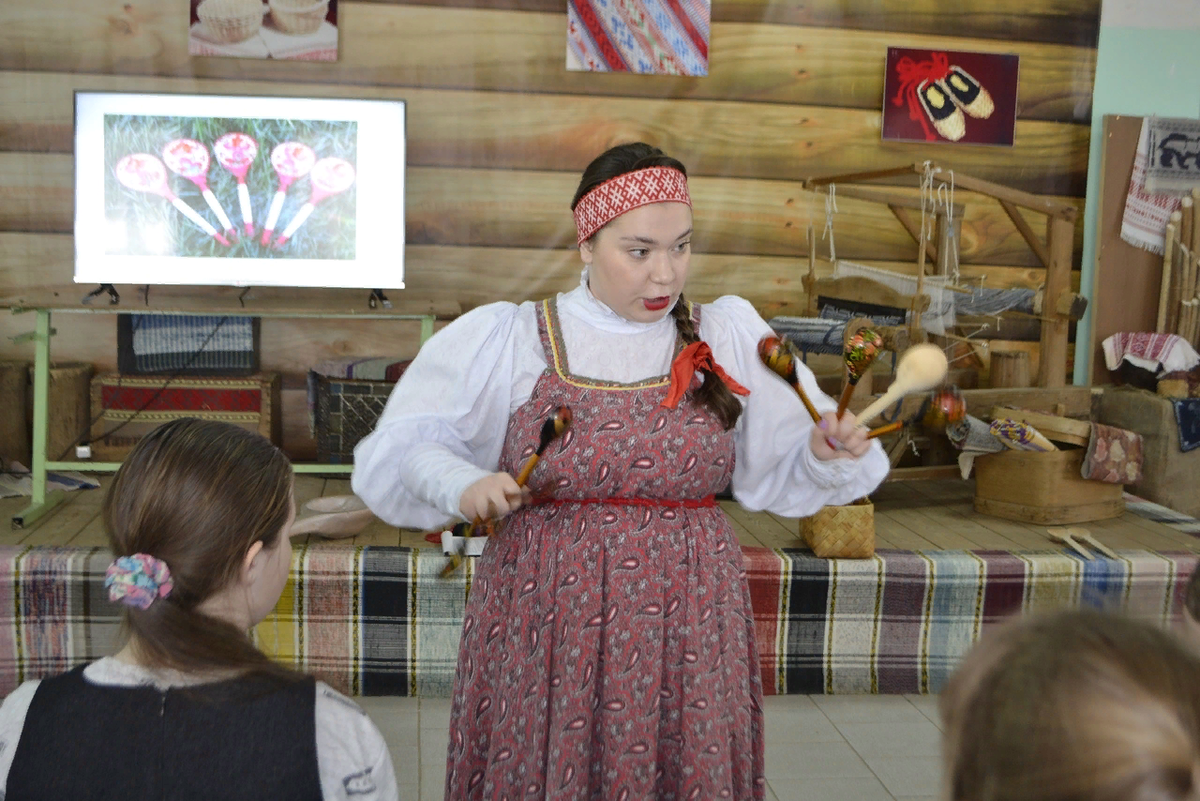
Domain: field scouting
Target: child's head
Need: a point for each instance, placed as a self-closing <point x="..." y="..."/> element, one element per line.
<point x="1191" y="608"/>
<point x="212" y="503"/>
<point x="1077" y="706"/>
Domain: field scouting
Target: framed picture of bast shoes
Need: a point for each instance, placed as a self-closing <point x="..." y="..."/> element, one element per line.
<point x="949" y="96"/>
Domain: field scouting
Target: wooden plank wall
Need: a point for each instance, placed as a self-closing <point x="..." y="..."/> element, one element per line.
<point x="499" y="131"/>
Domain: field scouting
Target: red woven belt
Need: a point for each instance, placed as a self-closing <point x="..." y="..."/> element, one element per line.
<point x="706" y="502"/>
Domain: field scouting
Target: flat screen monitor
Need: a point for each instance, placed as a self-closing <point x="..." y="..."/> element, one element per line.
<point x="239" y="191"/>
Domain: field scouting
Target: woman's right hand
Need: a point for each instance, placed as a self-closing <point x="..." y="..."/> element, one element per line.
<point x="492" y="496"/>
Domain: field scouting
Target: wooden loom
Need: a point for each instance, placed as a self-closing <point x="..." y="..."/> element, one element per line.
<point x="1059" y="305"/>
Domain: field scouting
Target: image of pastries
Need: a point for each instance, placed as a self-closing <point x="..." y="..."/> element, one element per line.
<point x="946" y="118"/>
<point x="968" y="93"/>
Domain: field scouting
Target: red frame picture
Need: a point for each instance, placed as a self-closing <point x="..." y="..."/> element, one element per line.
<point x="950" y="96"/>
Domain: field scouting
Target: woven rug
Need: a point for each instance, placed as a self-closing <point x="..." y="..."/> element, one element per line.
<point x="381" y="620"/>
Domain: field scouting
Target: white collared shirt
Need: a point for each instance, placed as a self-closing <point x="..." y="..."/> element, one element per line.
<point x="445" y="422"/>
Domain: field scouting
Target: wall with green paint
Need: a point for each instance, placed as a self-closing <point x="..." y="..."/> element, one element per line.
<point x="1148" y="63"/>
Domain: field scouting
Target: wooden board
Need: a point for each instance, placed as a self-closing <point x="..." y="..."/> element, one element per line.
<point x="529" y="131"/>
<point x="1127" y="280"/>
<point x="1068" y="22"/>
<point x="528" y="209"/>
<point x="1055" y="428"/>
<point x="469" y="276"/>
<point x="511" y="51"/>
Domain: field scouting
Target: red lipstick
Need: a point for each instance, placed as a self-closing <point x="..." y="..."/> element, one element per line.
<point x="656" y="304"/>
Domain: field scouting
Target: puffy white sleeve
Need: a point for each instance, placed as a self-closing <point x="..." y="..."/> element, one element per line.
<point x="776" y="469"/>
<point x="444" y="424"/>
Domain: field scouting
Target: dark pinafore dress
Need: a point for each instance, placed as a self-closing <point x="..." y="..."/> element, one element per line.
<point x="608" y="645"/>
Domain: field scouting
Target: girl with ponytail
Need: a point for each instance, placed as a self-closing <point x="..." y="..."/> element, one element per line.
<point x="198" y="519"/>
<point x="608" y="644"/>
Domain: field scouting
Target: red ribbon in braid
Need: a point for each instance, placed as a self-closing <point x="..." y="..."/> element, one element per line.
<point x="696" y="356"/>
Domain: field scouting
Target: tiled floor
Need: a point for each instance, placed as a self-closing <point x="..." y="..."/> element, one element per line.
<point x="819" y="748"/>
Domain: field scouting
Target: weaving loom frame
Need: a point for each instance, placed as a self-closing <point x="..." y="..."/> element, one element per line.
<point x="1060" y="305"/>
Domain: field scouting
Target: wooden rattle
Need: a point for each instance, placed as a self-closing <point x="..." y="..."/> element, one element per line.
<point x="776" y="355"/>
<point x="291" y="160"/>
<point x="329" y="177"/>
<point x="143" y="172"/>
<point x="555" y="426"/>
<point x="189" y="159"/>
<point x="861" y="350"/>
<point x="235" y="152"/>
<point x="921" y="367"/>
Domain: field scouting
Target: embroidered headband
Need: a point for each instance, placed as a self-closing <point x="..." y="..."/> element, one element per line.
<point x="138" y="580"/>
<point x="626" y="192"/>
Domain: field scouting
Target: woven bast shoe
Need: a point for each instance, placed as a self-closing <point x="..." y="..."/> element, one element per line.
<point x="946" y="118"/>
<point x="967" y="93"/>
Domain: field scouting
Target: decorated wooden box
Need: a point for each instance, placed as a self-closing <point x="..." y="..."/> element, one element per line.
<point x="1043" y="487"/>
<point x="347" y="397"/>
<point x="347" y="410"/>
<point x="127" y="407"/>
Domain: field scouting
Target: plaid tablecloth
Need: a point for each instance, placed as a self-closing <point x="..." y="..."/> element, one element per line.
<point x="381" y="621"/>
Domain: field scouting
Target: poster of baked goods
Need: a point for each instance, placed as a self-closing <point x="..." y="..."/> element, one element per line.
<point x="950" y="96"/>
<point x="303" y="30"/>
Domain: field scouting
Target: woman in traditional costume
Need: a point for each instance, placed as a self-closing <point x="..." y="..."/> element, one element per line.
<point x="608" y="645"/>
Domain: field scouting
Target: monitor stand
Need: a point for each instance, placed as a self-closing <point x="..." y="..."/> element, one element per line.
<point x="113" y="297"/>
<point x="378" y="297"/>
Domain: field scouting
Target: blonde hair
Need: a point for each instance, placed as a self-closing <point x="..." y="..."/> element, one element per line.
<point x="1074" y="706"/>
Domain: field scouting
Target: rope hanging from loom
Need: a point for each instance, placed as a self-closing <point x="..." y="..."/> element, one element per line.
<point x="830" y="209"/>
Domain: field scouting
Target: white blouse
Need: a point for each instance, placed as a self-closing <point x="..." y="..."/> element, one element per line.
<point x="445" y="422"/>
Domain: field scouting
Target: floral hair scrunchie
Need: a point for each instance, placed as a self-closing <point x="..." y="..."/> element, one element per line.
<point x="138" y="580"/>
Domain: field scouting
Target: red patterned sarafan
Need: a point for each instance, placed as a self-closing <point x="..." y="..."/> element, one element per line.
<point x="608" y="646"/>
<point x="626" y="192"/>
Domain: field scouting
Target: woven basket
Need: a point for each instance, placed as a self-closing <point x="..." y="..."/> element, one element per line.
<point x="230" y="21"/>
<point x="841" y="532"/>
<point x="298" y="16"/>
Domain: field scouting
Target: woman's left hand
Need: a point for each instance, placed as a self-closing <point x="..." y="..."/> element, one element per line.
<point x="839" y="439"/>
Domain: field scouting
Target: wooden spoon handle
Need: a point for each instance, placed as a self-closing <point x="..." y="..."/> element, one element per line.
<point x="887" y="429"/>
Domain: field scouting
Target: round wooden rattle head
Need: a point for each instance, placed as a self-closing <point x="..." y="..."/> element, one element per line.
<point x="142" y="172"/>
<point x="861" y="350"/>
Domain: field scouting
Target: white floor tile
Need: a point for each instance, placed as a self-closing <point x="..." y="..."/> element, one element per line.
<point x="911" y="739"/>
<point x="802" y="761"/>
<point x="928" y="706"/>
<point x="435" y="713"/>
<point x="796" y="719"/>
<point x="433" y="784"/>
<point x="397" y="718"/>
<point x="908" y="776"/>
<point x="867" y="708"/>
<point x="859" y="789"/>
<point x="406" y="759"/>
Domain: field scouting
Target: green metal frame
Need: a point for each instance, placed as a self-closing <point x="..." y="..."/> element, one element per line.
<point x="41" y="502"/>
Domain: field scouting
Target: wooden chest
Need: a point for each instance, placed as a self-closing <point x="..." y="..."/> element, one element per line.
<point x="127" y="407"/>
<point x="1043" y="487"/>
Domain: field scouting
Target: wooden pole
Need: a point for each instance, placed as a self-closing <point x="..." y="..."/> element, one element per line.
<point x="1194" y="311"/>
<point x="942" y="233"/>
<point x="915" y="330"/>
<point x="1164" y="291"/>
<point x="811" y="236"/>
<point x="1185" y="290"/>
<point x="1176" y="292"/>
<point x="1052" y="369"/>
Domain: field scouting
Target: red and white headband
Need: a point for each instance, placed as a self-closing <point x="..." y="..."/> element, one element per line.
<point x="626" y="192"/>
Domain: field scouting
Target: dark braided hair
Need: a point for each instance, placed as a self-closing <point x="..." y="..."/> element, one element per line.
<point x="638" y="156"/>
